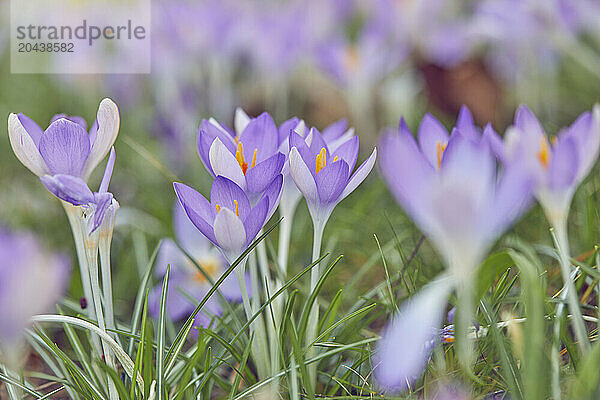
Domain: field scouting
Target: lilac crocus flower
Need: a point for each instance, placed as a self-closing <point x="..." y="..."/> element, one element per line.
<point x="187" y="283"/>
<point x="559" y="163"/>
<point x="324" y="175"/>
<point x="229" y="220"/>
<point x="32" y="280"/>
<point x="250" y="159"/>
<point x="450" y="187"/>
<point x="64" y="147"/>
<point x="74" y="190"/>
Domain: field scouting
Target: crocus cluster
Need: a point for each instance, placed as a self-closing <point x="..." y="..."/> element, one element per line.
<point x="32" y="280"/>
<point x="451" y="187"/>
<point x="463" y="190"/>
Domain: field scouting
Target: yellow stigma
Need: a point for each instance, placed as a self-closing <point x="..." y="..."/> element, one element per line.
<point x="439" y="153"/>
<point x="254" y="158"/>
<point x="237" y="209"/>
<point x="218" y="208"/>
<point x="321" y="160"/>
<point x="544" y="154"/>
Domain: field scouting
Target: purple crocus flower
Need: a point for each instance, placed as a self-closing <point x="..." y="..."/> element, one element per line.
<point x="324" y="175"/>
<point x="74" y="190"/>
<point x="559" y="163"/>
<point x="187" y="284"/>
<point x="32" y="280"/>
<point x="65" y="147"/>
<point x="450" y="187"/>
<point x="229" y="220"/>
<point x="250" y="159"/>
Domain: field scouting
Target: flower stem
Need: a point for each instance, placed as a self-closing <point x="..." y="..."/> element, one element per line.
<point x="464" y="318"/>
<point x="285" y="234"/>
<point x="104" y="246"/>
<point x="313" y="318"/>
<point x="562" y="245"/>
<point x="91" y="251"/>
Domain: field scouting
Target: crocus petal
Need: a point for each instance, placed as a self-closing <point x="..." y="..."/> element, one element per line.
<point x="586" y="133"/>
<point x="406" y="172"/>
<point x="526" y="121"/>
<point x="25" y="148"/>
<point x="331" y="181"/>
<point x="178" y="305"/>
<point x="336" y="143"/>
<point x="360" y="174"/>
<point x="348" y="152"/>
<point x="224" y="163"/>
<point x="225" y="194"/>
<point x="405" y="347"/>
<point x="317" y="142"/>
<point x="230" y="233"/>
<point x="432" y="134"/>
<point x="73" y="118"/>
<point x="108" y="119"/>
<point x="256" y="220"/>
<point x="208" y="132"/>
<point x="170" y="254"/>
<point x="65" y="147"/>
<point x="465" y="124"/>
<point x="102" y="202"/>
<point x="261" y="175"/>
<point x="334" y="130"/>
<point x="286" y="128"/>
<point x="493" y="140"/>
<point x="240" y="120"/>
<point x="31" y="127"/>
<point x="108" y="171"/>
<point x="68" y="188"/>
<point x="562" y="170"/>
<point x="187" y="235"/>
<point x="198" y="209"/>
<point x="273" y="193"/>
<point x="303" y="150"/>
<point x="302" y="176"/>
<point x="260" y="135"/>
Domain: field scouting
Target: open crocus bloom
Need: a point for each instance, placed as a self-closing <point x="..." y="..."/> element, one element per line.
<point x="559" y="163"/>
<point x="74" y="190"/>
<point x="65" y="147"/>
<point x="323" y="175"/>
<point x="452" y="190"/>
<point x="188" y="285"/>
<point x="229" y="220"/>
<point x="251" y="158"/>
<point x="31" y="282"/>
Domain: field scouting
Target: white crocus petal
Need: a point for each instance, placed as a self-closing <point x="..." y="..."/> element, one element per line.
<point x="360" y="175"/>
<point x="240" y="120"/>
<point x="335" y="144"/>
<point x="108" y="128"/>
<point x="300" y="129"/>
<point x="224" y="163"/>
<point x="218" y="125"/>
<point x="301" y="175"/>
<point x="24" y="147"/>
<point x="407" y="341"/>
<point x="230" y="233"/>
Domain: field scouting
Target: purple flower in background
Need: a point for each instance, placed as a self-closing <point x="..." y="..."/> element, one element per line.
<point x="65" y="147"/>
<point x="74" y="190"/>
<point x="32" y="281"/>
<point x="250" y="159"/>
<point x="188" y="285"/>
<point x="559" y="163"/>
<point x="451" y="188"/>
<point x="324" y="175"/>
<point x="229" y="220"/>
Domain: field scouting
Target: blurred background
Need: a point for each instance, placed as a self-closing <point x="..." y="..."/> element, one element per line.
<point x="370" y="62"/>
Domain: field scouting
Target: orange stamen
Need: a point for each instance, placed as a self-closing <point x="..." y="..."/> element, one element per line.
<point x="439" y="153"/>
<point x="321" y="160"/>
<point x="237" y="209"/>
<point x="254" y="158"/>
<point x="239" y="156"/>
<point x="544" y="154"/>
<point x="218" y="208"/>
